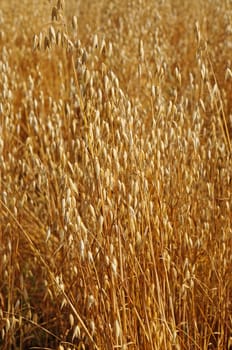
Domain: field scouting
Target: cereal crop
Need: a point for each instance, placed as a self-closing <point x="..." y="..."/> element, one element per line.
<point x="115" y="174"/>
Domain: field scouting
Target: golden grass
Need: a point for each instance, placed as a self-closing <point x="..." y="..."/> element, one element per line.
<point x="115" y="160"/>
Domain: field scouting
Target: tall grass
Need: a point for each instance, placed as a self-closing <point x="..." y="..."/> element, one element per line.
<point x="115" y="164"/>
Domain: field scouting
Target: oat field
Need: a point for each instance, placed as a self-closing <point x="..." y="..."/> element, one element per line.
<point x="115" y="174"/>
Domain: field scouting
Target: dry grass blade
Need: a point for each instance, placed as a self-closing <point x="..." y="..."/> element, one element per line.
<point x="36" y="252"/>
